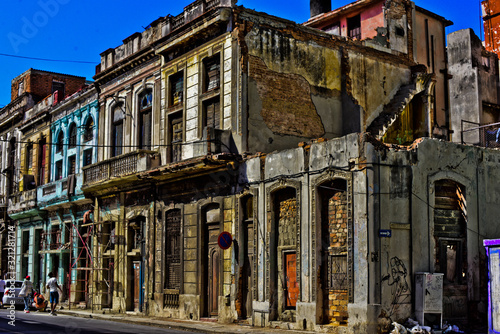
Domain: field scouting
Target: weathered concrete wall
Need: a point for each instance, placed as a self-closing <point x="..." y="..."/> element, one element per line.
<point x="465" y="96"/>
<point x="475" y="83"/>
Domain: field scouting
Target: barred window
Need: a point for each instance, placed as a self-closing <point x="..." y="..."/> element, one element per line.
<point x="172" y="249"/>
<point x="337" y="272"/>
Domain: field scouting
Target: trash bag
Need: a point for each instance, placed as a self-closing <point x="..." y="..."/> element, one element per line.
<point x="398" y="329"/>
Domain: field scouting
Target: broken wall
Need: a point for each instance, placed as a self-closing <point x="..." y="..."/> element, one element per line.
<point x="303" y="86"/>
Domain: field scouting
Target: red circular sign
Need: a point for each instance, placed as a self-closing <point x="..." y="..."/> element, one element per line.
<point x="225" y="240"/>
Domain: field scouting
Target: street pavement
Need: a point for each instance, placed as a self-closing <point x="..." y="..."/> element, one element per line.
<point x="85" y="322"/>
<point x="43" y="323"/>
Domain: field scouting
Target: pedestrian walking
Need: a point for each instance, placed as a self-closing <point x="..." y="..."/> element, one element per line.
<point x="2" y="290"/>
<point x="26" y="291"/>
<point x="54" y="295"/>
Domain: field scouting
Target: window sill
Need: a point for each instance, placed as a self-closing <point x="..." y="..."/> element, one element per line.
<point x="211" y="93"/>
<point x="175" y="108"/>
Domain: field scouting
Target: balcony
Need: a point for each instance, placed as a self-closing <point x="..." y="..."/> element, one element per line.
<point x="22" y="201"/>
<point x="214" y="141"/>
<point x="486" y="135"/>
<point x="120" y="167"/>
<point x="57" y="192"/>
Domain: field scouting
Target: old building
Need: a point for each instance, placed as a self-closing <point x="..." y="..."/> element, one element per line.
<point x="191" y="109"/>
<point x="64" y="248"/>
<point x="398" y="27"/>
<point x="223" y="122"/>
<point x="474" y="90"/>
<point x="29" y="160"/>
<point x="491" y="24"/>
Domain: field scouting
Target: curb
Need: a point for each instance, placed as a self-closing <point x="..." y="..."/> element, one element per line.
<point x="215" y="328"/>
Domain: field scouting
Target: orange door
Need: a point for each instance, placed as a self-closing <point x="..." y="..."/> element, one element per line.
<point x="292" y="286"/>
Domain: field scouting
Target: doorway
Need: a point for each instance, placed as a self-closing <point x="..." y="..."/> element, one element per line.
<point x="210" y="261"/>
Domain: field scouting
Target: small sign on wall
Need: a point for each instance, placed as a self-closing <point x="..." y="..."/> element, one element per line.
<point x="384" y="233"/>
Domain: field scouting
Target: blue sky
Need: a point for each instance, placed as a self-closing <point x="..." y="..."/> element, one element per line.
<point x="79" y="30"/>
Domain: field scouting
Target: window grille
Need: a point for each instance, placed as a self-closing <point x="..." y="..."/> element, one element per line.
<point x="337" y="272"/>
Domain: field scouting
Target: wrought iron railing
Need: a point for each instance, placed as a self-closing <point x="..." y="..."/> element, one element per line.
<point x="486" y="135"/>
<point x="123" y="165"/>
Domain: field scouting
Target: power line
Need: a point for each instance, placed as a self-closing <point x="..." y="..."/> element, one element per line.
<point x="46" y="59"/>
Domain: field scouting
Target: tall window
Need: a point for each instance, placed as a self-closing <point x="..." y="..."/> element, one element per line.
<point x="12" y="159"/>
<point x="145" y="107"/>
<point x="175" y="137"/>
<point x="60" y="142"/>
<point x="88" y="133"/>
<point x="29" y="157"/>
<point x="212" y="73"/>
<point x="117" y="131"/>
<point x="72" y="135"/>
<point x="176" y="89"/>
<point x="20" y="88"/>
<point x="58" y="175"/>
<point x="173" y="249"/>
<point x="87" y="157"/>
<point x="72" y="165"/>
<point x="354" y="27"/>
<point x="211" y="116"/>
<point x="42" y="159"/>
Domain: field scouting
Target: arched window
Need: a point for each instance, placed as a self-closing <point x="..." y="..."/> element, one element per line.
<point x="117" y="131"/>
<point x="72" y="135"/>
<point x="145" y="106"/>
<point x="88" y="133"/>
<point x="60" y="142"/>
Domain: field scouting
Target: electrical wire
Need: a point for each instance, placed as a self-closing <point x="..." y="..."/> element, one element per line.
<point x="116" y="146"/>
<point x="53" y="60"/>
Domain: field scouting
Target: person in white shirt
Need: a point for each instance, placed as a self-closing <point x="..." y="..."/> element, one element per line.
<point x="26" y="291"/>
<point x="54" y="295"/>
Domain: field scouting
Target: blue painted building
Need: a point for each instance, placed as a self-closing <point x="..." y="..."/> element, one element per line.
<point x="74" y="138"/>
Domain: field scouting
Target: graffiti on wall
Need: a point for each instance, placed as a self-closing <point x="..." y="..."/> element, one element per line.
<point x="397" y="280"/>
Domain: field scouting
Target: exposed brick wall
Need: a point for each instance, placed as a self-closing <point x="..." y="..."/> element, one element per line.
<point x="287" y="108"/>
<point x="287" y="222"/>
<point x="39" y="83"/>
<point x="337" y="219"/>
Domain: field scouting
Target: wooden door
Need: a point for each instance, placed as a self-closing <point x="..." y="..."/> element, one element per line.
<point x="137" y="285"/>
<point x="213" y="284"/>
<point x="292" y="286"/>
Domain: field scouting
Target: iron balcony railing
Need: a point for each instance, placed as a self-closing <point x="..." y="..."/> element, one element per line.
<point x="486" y="135"/>
<point x="22" y="200"/>
<point x="120" y="166"/>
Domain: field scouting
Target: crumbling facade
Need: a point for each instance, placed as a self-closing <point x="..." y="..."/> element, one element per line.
<point x="223" y="119"/>
<point x="399" y="27"/>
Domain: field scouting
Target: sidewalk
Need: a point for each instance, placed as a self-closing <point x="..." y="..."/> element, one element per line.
<point x="187" y="325"/>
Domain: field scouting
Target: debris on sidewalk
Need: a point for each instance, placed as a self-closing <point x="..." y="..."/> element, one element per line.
<point x="452" y="329"/>
<point x="413" y="327"/>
